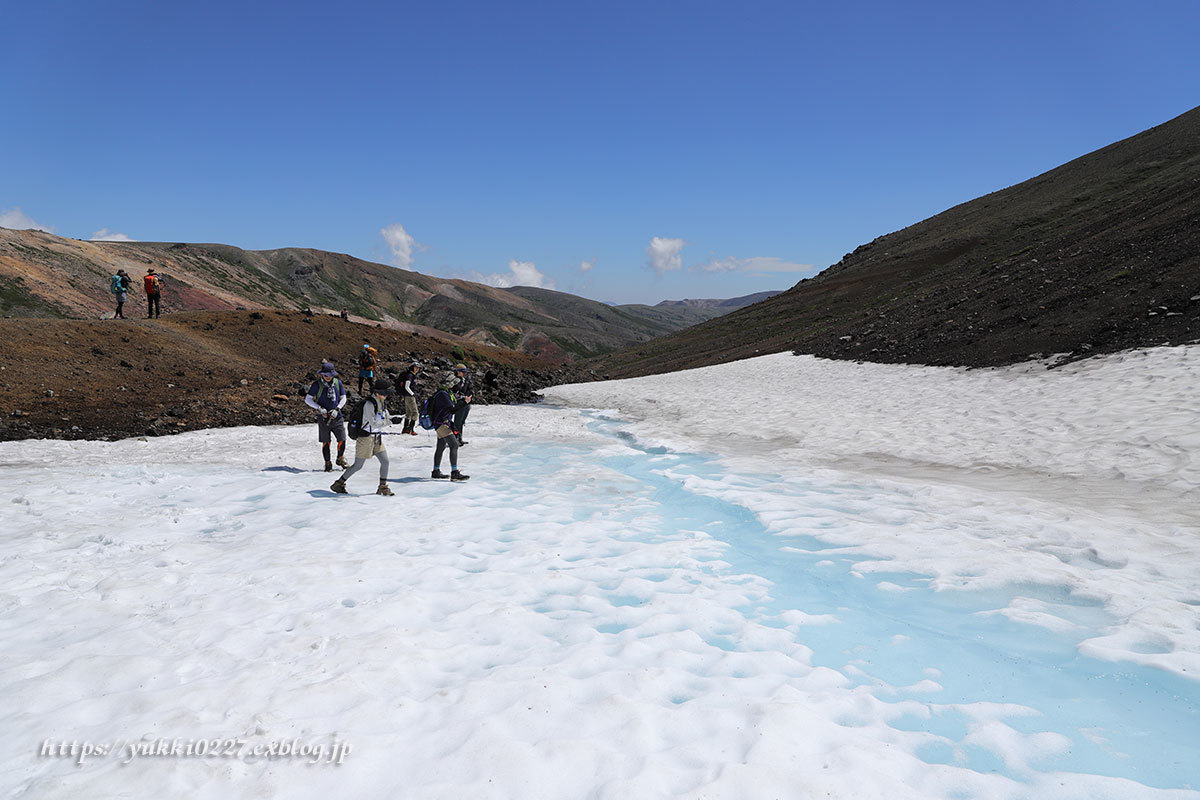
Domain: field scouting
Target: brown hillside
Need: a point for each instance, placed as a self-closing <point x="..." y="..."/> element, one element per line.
<point x="113" y="378"/>
<point x="44" y="275"/>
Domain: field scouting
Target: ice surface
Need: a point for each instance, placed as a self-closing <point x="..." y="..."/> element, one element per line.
<point x="865" y="591"/>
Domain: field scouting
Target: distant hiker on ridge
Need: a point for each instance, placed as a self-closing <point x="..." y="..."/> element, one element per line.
<point x="464" y="391"/>
<point x="153" y="284"/>
<point x="370" y="421"/>
<point x="119" y="285"/>
<point x="408" y="390"/>
<point x="366" y="366"/>
<point x="345" y="315"/>
<point x="441" y="413"/>
<point x="327" y="395"/>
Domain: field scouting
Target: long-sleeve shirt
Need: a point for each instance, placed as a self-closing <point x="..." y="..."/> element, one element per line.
<point x="441" y="408"/>
<point x="375" y="416"/>
<point x="409" y="387"/>
<point x="326" y="396"/>
<point x="463" y="388"/>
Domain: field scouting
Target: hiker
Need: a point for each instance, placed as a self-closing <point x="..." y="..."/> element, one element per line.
<point x="370" y="438"/>
<point x="345" y="315"/>
<point x="119" y="285"/>
<point x="327" y="395"/>
<point x="464" y="389"/>
<point x="153" y="284"/>
<point x="441" y="413"/>
<point x="408" y="390"/>
<point x="366" y="366"/>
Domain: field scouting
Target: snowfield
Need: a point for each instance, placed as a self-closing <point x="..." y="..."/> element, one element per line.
<point x="777" y="578"/>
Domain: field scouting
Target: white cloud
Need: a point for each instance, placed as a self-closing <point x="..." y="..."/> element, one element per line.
<point x="586" y="266"/>
<point x="520" y="273"/>
<point x="401" y="243"/>
<point x="665" y="254"/>
<point x="18" y="220"/>
<point x="105" y="235"/>
<point x="756" y="264"/>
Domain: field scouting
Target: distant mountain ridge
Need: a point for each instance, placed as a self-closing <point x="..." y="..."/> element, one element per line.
<point x="1098" y="255"/>
<point x="724" y="305"/>
<point x="51" y="276"/>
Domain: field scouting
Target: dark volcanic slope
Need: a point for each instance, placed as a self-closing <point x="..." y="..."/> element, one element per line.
<point x="1099" y="255"/>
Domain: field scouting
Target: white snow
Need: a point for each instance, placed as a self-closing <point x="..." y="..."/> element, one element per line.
<point x="784" y="577"/>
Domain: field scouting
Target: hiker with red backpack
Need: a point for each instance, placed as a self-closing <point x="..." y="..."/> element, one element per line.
<point x="366" y="366"/>
<point x="327" y="396"/>
<point x="153" y="285"/>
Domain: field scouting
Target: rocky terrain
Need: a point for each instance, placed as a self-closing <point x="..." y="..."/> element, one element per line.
<point x="104" y="379"/>
<point x="1099" y="255"/>
<point x="44" y="275"/>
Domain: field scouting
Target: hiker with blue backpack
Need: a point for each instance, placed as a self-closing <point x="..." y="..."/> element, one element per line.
<point x="119" y="285"/>
<point x="440" y="409"/>
<point x="327" y="396"/>
<point x="365" y="424"/>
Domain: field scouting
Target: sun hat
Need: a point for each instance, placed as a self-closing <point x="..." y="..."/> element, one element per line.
<point x="328" y="369"/>
<point x="382" y="386"/>
<point x="458" y="367"/>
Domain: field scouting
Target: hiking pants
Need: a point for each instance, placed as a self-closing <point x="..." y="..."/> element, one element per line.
<point x="375" y="448"/>
<point x="460" y="417"/>
<point x="152" y="304"/>
<point x="446" y="440"/>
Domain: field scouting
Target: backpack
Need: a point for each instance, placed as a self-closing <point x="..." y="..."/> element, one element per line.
<point x="366" y="359"/>
<point x="116" y="285"/>
<point x="354" y="420"/>
<point x="334" y="386"/>
<point x="425" y="421"/>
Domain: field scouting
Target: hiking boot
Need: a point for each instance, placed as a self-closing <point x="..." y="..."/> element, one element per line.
<point x="341" y="462"/>
<point x="338" y="487"/>
<point x="384" y="490"/>
<point x="328" y="467"/>
<point x="412" y="432"/>
<point x="462" y="442"/>
<point x="437" y="473"/>
<point x="458" y="476"/>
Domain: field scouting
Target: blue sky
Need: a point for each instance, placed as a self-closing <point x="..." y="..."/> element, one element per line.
<point x="627" y="152"/>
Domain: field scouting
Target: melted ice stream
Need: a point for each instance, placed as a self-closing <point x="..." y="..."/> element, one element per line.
<point x="588" y="617"/>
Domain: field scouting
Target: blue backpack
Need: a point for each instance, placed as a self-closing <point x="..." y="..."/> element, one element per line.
<point x="425" y="421"/>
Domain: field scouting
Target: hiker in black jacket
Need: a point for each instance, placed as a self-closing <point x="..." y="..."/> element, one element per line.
<point x="463" y="390"/>
<point x="408" y="391"/>
<point x="441" y="413"/>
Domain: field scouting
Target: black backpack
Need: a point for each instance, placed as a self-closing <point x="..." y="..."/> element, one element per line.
<point x="354" y="420"/>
